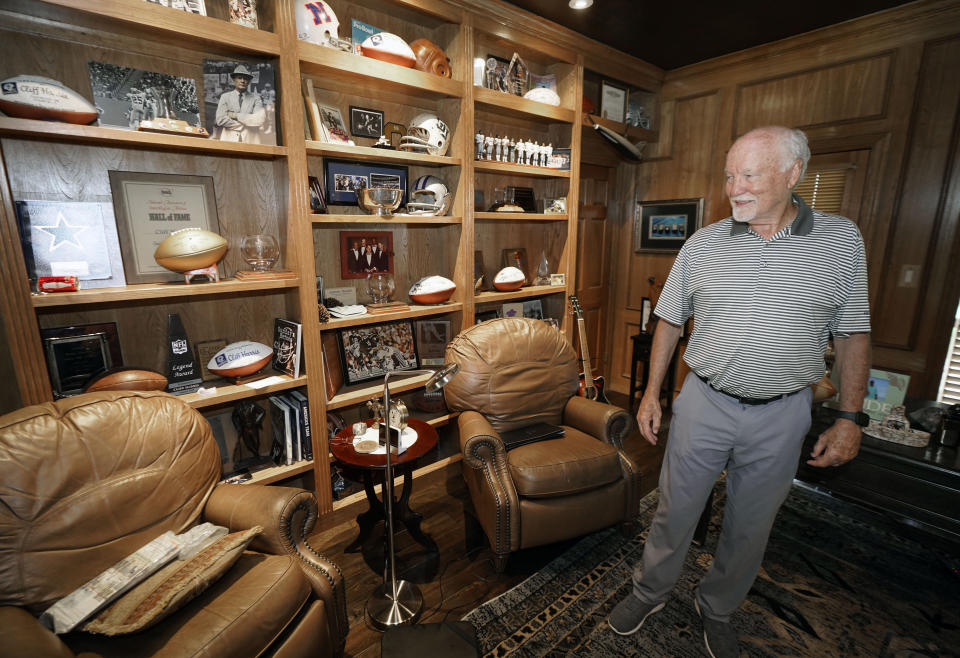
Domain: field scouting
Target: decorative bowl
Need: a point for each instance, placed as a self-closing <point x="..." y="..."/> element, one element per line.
<point x="380" y="201"/>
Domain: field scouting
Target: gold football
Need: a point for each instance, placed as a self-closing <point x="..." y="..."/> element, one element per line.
<point x="190" y="249"/>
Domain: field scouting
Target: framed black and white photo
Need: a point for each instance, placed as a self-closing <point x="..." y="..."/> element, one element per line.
<point x="365" y="122"/>
<point x="345" y="177"/>
<point x="533" y="308"/>
<point x="432" y="339"/>
<point x="613" y="101"/>
<point x="369" y="352"/>
<point x="240" y="101"/>
<point x="149" y="207"/>
<point x="663" y="226"/>
<point x="126" y="96"/>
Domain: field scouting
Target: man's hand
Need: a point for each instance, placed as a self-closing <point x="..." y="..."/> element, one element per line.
<point x="838" y="445"/>
<point x="232" y="115"/>
<point x="648" y="417"/>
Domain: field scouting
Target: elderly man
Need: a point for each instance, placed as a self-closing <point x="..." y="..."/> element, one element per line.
<point x="767" y="287"/>
<point x="240" y="114"/>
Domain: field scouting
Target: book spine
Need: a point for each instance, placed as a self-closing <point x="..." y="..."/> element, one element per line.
<point x="305" y="433"/>
<point x="277" y="431"/>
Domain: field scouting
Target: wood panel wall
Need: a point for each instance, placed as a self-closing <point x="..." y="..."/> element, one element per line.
<point x="886" y="86"/>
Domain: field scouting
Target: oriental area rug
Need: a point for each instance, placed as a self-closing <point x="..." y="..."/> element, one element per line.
<point x="837" y="580"/>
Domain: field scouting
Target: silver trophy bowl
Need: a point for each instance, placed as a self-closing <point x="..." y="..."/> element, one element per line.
<point x="380" y="201"/>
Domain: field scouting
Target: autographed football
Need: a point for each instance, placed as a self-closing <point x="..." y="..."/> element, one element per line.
<point x="244" y="357"/>
<point x="127" y="379"/>
<point x="389" y="48"/>
<point x="509" y="278"/>
<point x="190" y="249"/>
<point x="34" y="97"/>
<point x="432" y="290"/>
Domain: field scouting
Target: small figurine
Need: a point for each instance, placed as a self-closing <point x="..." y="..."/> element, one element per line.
<point x="488" y="144"/>
<point x="497" y="143"/>
<point x="512" y="152"/>
<point x="478" y="141"/>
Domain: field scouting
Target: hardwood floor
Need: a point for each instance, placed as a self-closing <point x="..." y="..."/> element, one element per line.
<point x="461" y="575"/>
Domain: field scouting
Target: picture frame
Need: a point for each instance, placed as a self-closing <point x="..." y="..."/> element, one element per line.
<point x="555" y="206"/>
<point x="75" y="353"/>
<point x="663" y="226"/>
<point x="368" y="352"/>
<point x="205" y="349"/>
<point x="515" y="257"/>
<point x="488" y="314"/>
<point x="148" y="207"/>
<point x="355" y="263"/>
<point x="344" y="177"/>
<point x="613" y="101"/>
<point x="256" y="122"/>
<point x="318" y="204"/>
<point x="365" y="122"/>
<point x="511" y="310"/>
<point x="126" y="96"/>
<point x="335" y="131"/>
<point x="432" y="339"/>
<point x="558" y="279"/>
<point x="560" y="159"/>
<point x="533" y="308"/>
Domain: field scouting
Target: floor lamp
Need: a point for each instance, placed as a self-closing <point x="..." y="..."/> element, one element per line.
<point x="394" y="602"/>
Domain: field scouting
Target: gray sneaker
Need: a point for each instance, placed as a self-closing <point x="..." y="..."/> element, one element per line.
<point x="629" y="615"/>
<point x="720" y="637"/>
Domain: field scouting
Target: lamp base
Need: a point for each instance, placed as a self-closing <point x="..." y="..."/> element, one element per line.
<point x="384" y="612"/>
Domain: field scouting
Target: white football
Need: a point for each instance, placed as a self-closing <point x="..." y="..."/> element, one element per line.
<point x="509" y="278"/>
<point x="432" y="290"/>
<point x="190" y="249"/>
<point x="244" y="357"/>
<point x="389" y="48"/>
<point x="543" y="95"/>
<point x="34" y="97"/>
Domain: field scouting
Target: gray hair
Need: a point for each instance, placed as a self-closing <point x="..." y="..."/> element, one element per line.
<point x="795" y="147"/>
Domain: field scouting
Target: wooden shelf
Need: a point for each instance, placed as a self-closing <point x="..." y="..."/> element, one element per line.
<point x="376" y="318"/>
<point x="396" y="219"/>
<point x="521" y="216"/>
<point x="271" y="474"/>
<point x="365" y="75"/>
<point x="524" y="293"/>
<point x="633" y="133"/>
<point x="230" y="392"/>
<point x="171" y="26"/>
<point x="69" y="132"/>
<point x="370" y="154"/>
<point x="490" y="167"/>
<point x="510" y="105"/>
<point x="362" y="392"/>
<point x="158" y="291"/>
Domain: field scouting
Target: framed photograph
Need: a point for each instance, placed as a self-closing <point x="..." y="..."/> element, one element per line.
<point x="318" y="204"/>
<point x="345" y="177"/>
<point x="489" y="314"/>
<point x="369" y="352"/>
<point x="78" y="352"/>
<point x="333" y="126"/>
<point x="240" y="101"/>
<point x="663" y="226"/>
<point x="558" y="279"/>
<point x="148" y="208"/>
<point x="512" y="310"/>
<point x="533" y="309"/>
<point x="646" y="310"/>
<point x="365" y="122"/>
<point x="364" y="252"/>
<point x="613" y="101"/>
<point x="515" y="257"/>
<point x="556" y="206"/>
<point x="432" y="339"/>
<point x="126" y="96"/>
<point x="205" y="349"/>
<point x="560" y="159"/>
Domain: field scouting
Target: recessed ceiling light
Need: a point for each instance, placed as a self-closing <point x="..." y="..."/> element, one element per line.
<point x="580" y="4"/>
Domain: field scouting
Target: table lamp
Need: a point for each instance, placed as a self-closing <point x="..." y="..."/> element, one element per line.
<point x="394" y="602"/>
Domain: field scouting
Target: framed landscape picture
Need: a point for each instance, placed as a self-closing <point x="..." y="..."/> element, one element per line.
<point x="663" y="226"/>
<point x="369" y="352"/>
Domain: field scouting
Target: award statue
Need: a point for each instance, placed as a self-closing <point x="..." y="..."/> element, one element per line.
<point x="183" y="374"/>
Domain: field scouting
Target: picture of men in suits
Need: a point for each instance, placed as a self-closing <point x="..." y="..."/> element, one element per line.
<point x="240" y="114"/>
<point x="365" y="252"/>
<point x="353" y="256"/>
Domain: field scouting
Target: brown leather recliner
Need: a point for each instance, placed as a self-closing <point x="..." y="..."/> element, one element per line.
<point x="88" y="480"/>
<point x="515" y="372"/>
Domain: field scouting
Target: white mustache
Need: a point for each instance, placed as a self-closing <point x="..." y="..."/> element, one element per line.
<point x="743" y="197"/>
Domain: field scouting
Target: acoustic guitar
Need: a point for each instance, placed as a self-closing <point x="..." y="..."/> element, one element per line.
<point x="590" y="387"/>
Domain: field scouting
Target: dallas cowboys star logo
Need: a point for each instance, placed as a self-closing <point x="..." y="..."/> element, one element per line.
<point x="63" y="232"/>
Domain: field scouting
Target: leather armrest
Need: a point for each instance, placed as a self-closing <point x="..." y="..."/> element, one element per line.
<point x="287" y="515"/>
<point x="604" y="421"/>
<point x="22" y="636"/>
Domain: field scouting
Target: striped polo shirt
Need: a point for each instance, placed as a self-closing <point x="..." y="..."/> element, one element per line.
<point x="764" y="309"/>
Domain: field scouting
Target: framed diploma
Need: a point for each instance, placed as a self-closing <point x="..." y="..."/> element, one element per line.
<point x="149" y="207"/>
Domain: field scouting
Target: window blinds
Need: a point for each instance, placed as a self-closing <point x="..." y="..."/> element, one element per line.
<point x="823" y="189"/>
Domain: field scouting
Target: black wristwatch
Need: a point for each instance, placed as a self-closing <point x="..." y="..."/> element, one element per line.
<point x="858" y="417"/>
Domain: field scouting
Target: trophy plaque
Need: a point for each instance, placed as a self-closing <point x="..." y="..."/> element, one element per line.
<point x="73" y="360"/>
<point x="166" y="121"/>
<point x="183" y="375"/>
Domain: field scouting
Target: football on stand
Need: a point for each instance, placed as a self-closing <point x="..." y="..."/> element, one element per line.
<point x="127" y="379"/>
<point x="239" y="359"/>
<point x="389" y="48"/>
<point x="190" y="249"/>
<point x="34" y="97"/>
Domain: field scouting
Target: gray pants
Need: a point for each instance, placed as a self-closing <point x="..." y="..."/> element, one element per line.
<point x="759" y="446"/>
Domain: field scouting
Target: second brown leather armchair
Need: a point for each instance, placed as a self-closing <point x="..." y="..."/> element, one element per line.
<point x="515" y="372"/>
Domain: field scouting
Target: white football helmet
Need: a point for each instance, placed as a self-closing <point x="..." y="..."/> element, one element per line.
<point x="317" y="23"/>
<point x="430" y="197"/>
<point x="427" y="134"/>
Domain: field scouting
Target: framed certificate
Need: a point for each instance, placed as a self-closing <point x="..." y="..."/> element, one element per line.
<point x="148" y="208"/>
<point x="613" y="102"/>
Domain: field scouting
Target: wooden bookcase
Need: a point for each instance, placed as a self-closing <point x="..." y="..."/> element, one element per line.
<point x="264" y="188"/>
